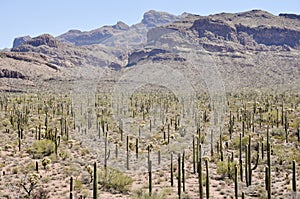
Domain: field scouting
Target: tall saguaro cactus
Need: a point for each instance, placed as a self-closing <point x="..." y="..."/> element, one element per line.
<point x="200" y="173"/>
<point x="294" y="177"/>
<point x="71" y="188"/>
<point x="179" y="175"/>
<point x="236" y="182"/>
<point x="172" y="181"/>
<point x="249" y="162"/>
<point x="194" y="156"/>
<point x="150" y="176"/>
<point x="269" y="163"/>
<point x="240" y="158"/>
<point x="95" y="182"/>
<point x="207" y="179"/>
<point x="183" y="172"/>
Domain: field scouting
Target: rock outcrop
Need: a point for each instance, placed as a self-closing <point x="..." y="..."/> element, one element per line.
<point x="105" y="34"/>
<point x="96" y="36"/>
<point x="153" y="18"/>
<point x="5" y="73"/>
<point x="42" y="40"/>
<point x="264" y="28"/>
<point x="20" y="40"/>
<point x="59" y="54"/>
<point x="290" y="16"/>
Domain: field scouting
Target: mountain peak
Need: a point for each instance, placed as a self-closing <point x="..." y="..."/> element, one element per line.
<point x="20" y="40"/>
<point x="44" y="39"/>
<point x="154" y="18"/>
<point x="121" y="26"/>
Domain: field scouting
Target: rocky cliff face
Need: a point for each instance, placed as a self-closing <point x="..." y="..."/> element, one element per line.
<point x="5" y="73"/>
<point x="290" y="16"/>
<point x="153" y="18"/>
<point x="261" y="26"/>
<point x="249" y="49"/>
<point x="20" y="40"/>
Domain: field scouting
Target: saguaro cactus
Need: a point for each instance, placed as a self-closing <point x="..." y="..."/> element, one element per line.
<point x="172" y="181"/>
<point x="236" y="181"/>
<point x="294" y="177"/>
<point x="194" y="156"/>
<point x="268" y="181"/>
<point x="95" y="182"/>
<point x="221" y="146"/>
<point x="137" y="148"/>
<point x="71" y="188"/>
<point x="183" y="172"/>
<point x="240" y="158"/>
<point x="127" y="152"/>
<point x="106" y="152"/>
<point x="179" y="175"/>
<point x="246" y="166"/>
<point x="200" y="180"/>
<point x="269" y="163"/>
<point x="207" y="179"/>
<point x="249" y="162"/>
<point x="150" y="176"/>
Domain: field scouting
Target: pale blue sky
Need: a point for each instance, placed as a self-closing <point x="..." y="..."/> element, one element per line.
<point x="34" y="17"/>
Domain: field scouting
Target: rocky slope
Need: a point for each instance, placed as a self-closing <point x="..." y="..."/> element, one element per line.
<point x="248" y="49"/>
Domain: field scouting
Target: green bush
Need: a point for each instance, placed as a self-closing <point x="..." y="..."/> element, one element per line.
<point x="236" y="142"/>
<point x="112" y="179"/>
<point x="222" y="169"/>
<point x="140" y="194"/>
<point x="41" y="148"/>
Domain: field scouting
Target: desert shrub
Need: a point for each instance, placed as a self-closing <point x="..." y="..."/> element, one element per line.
<point x="78" y="185"/>
<point x="15" y="170"/>
<point x="41" y="193"/>
<point x="64" y="155"/>
<point x="28" y="168"/>
<point x="114" y="180"/>
<point x="222" y="168"/>
<point x="71" y="170"/>
<point x="278" y="134"/>
<point x="84" y="152"/>
<point x="140" y="194"/>
<point x="2" y="55"/>
<point x="41" y="148"/>
<point x="236" y="141"/>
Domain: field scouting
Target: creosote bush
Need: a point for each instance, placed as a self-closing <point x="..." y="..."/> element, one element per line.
<point x="114" y="180"/>
<point x="41" y="148"/>
<point x="222" y="169"/>
<point x="140" y="194"/>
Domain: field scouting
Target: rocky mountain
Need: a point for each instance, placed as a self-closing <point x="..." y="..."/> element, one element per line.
<point x="98" y="36"/>
<point x="20" y="40"/>
<point x="66" y="55"/>
<point x="247" y="49"/>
